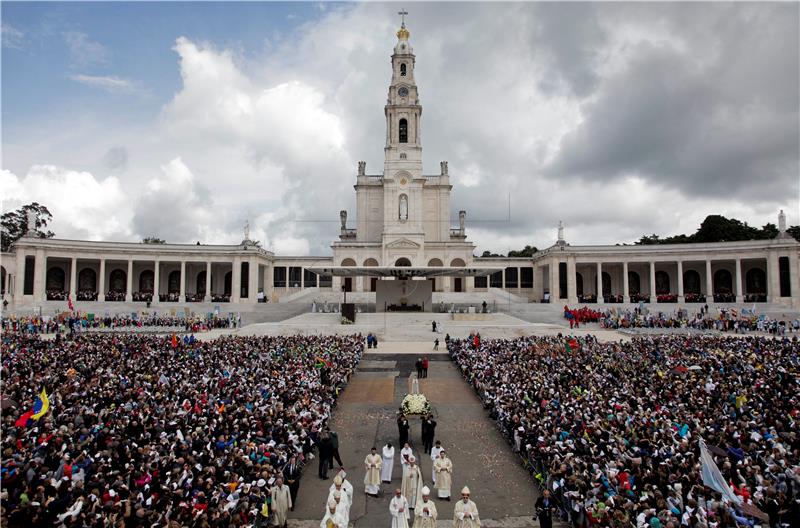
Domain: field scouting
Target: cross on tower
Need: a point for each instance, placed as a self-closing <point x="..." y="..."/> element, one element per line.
<point x="402" y="14"/>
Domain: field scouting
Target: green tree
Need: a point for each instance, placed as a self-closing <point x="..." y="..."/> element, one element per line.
<point x="15" y="224"/>
<point x="488" y="253"/>
<point x="527" y="251"/>
<point x="794" y="232"/>
<point x="716" y="228"/>
<point x="153" y="240"/>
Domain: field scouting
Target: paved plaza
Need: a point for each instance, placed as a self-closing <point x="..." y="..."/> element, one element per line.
<point x="365" y="416"/>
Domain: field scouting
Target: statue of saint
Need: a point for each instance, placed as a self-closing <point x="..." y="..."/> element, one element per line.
<point x="403" y="208"/>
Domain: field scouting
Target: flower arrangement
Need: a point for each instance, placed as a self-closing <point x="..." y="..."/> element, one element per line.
<point x="416" y="404"/>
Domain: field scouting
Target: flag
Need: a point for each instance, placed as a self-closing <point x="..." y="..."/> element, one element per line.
<point x="41" y="405"/>
<point x="174" y="341"/>
<point x="69" y="304"/>
<point x="321" y="361"/>
<point x="713" y="478"/>
<point x="23" y="420"/>
<point x="572" y="345"/>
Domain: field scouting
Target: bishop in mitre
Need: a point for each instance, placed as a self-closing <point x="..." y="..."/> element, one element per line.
<point x="425" y="514"/>
<point x="444" y="475"/>
<point x="332" y="519"/>
<point x="465" y="514"/>
<point x="372" y="479"/>
<point x="341" y="483"/>
<point x="412" y="482"/>
<point x="342" y="506"/>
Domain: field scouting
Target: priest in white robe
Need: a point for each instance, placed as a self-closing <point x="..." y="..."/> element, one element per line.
<point x="372" y="478"/>
<point x="434" y="455"/>
<point x="342" y="506"/>
<point x="398" y="507"/>
<point x="332" y="519"/>
<point x="425" y="513"/>
<point x="444" y="475"/>
<point x="281" y="502"/>
<point x="412" y="483"/>
<point x="404" y="454"/>
<point x="465" y="514"/>
<point x="387" y="464"/>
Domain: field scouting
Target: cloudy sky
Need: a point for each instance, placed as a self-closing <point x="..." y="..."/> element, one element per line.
<point x="184" y="120"/>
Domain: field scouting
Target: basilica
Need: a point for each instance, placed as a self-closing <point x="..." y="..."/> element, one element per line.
<point x="400" y="250"/>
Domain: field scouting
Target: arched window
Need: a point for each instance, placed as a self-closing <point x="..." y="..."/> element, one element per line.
<point x="402" y="262"/>
<point x="691" y="281"/>
<point x="634" y="284"/>
<point x="87" y="280"/>
<point x="201" y="282"/>
<point x="146" y="281"/>
<point x="578" y="284"/>
<point x="174" y="282"/>
<point x="403" y="131"/>
<point x="403" y="69"/>
<point x="662" y="283"/>
<point x="723" y="282"/>
<point x="606" y="284"/>
<point x="755" y="281"/>
<point x="56" y="279"/>
<point x="118" y="281"/>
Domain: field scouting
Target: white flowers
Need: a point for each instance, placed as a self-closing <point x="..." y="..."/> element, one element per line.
<point x="415" y="404"/>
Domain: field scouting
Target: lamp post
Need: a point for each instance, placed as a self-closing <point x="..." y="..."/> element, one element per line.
<point x="344" y="291"/>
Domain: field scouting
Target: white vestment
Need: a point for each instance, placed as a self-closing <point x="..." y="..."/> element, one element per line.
<point x="412" y="485"/>
<point x="332" y="520"/>
<point x="404" y="454"/>
<point x="372" y="478"/>
<point x="434" y="455"/>
<point x="388" y="464"/>
<point x="466" y="515"/>
<point x="444" y="477"/>
<point x="344" y="504"/>
<point x="346" y="488"/>
<point x="398" y="507"/>
<point x="425" y="519"/>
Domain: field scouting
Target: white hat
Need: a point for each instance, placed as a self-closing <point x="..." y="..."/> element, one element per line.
<point x="337" y="494"/>
<point x="411" y="458"/>
<point x="426" y="490"/>
<point x="261" y="483"/>
<point x="465" y="491"/>
<point x="337" y="481"/>
<point x="332" y="504"/>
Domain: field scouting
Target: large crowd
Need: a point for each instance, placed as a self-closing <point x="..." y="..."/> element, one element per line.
<point x="71" y="322"/>
<point x="143" y="430"/>
<point x="613" y="429"/>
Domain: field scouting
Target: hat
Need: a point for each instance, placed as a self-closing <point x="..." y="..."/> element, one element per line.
<point x="337" y="494"/>
<point x="465" y="491"/>
<point x="426" y="490"/>
<point x="411" y="458"/>
<point x="337" y="481"/>
<point x="332" y="504"/>
<point x="261" y="483"/>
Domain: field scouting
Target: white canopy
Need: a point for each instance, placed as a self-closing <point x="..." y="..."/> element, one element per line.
<point x="404" y="272"/>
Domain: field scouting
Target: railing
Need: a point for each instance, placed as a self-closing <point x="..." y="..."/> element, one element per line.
<point x="457" y="233"/>
<point x="348" y="233"/>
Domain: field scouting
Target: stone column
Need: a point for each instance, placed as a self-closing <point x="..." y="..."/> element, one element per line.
<point x="653" y="297"/>
<point x="554" y="293"/>
<point x="207" y="297"/>
<point x="19" y="277"/>
<point x="572" y="292"/>
<point x="268" y="285"/>
<point x="156" y="281"/>
<point x="101" y="281"/>
<point x="503" y="278"/>
<point x="739" y="296"/>
<point x="709" y="283"/>
<point x="794" y="279"/>
<point x="773" y="278"/>
<point x="680" y="282"/>
<point x="252" y="281"/>
<point x="626" y="298"/>
<point x="236" y="280"/>
<point x="129" y="285"/>
<point x="600" y="283"/>
<point x="39" y="276"/>
<point x="183" y="282"/>
<point x="73" y="278"/>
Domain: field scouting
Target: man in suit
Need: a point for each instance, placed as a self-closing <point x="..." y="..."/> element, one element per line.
<point x="291" y="474"/>
<point x="402" y="427"/>
<point x="428" y="433"/>
<point x="325" y="455"/>
<point x="335" y="447"/>
<point x="545" y="508"/>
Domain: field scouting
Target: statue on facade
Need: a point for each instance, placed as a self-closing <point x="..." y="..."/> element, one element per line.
<point x="443" y="167"/>
<point x="462" y="218"/>
<point x="362" y="168"/>
<point x="403" y="208"/>
<point x="561" y="240"/>
<point x="781" y="224"/>
<point x="247" y="230"/>
<point x="343" y="219"/>
<point x="31" y="227"/>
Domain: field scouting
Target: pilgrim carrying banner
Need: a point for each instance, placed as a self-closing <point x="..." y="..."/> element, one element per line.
<point x="712" y="476"/>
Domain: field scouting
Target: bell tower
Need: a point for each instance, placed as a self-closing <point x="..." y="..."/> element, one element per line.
<point x="403" y="112"/>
